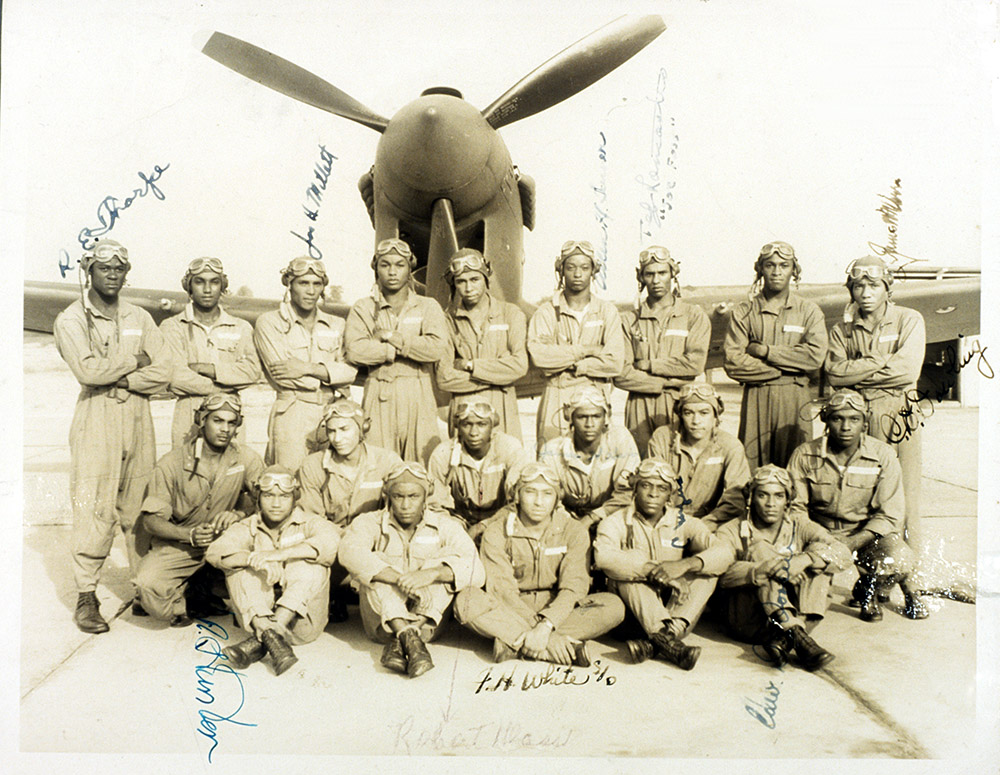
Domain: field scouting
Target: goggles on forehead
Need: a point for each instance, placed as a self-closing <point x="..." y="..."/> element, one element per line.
<point x="842" y="399"/>
<point x="650" y="468"/>
<point x="220" y="400"/>
<point x="407" y="467"/>
<point x="572" y="247"/>
<point x="200" y="265"/>
<point x="535" y="471"/>
<point x="393" y="245"/>
<point x="706" y="392"/>
<point x="304" y="265"/>
<point x="783" y="249"/>
<point x="343" y="409"/>
<point x="586" y="396"/>
<point x="480" y="409"/>
<point x="105" y="251"/>
<point x="872" y="271"/>
<point x="468" y="262"/>
<point x="770" y="474"/>
<point x="657" y="255"/>
<point x="283" y="482"/>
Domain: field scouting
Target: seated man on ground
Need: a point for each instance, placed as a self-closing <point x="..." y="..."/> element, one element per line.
<point x="712" y="464"/>
<point x="408" y="562"/>
<point x="851" y="484"/>
<point x="472" y="472"/>
<point x="190" y="501"/>
<point x="594" y="460"/>
<point x="535" y="604"/>
<point x="662" y="564"/>
<point x="779" y="584"/>
<point x="277" y="566"/>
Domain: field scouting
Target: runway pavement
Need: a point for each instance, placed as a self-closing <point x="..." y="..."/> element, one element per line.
<point x="898" y="689"/>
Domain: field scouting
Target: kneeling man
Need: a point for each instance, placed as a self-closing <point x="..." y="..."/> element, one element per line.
<point x="536" y="604"/>
<point x="277" y="566"/>
<point x="663" y="565"/>
<point x="408" y="561"/>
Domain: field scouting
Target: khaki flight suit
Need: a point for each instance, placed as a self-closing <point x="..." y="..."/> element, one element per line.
<point x="528" y="578"/>
<point x="774" y="419"/>
<point x="473" y="490"/>
<point x="340" y="493"/>
<point x="496" y="347"/>
<point x="304" y="584"/>
<point x="748" y="605"/>
<point x="625" y="542"/>
<point x="600" y="487"/>
<point x="675" y="341"/>
<point x="882" y="359"/>
<point x="227" y="344"/>
<point x="712" y="485"/>
<point x="181" y="493"/>
<point x="375" y="541"/>
<point x="399" y="391"/>
<point x="112" y="449"/>
<point x="556" y="338"/>
<point x="298" y="408"/>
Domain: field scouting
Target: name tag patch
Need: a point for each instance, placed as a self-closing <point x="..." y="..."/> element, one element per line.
<point x="499" y="327"/>
<point x="592" y="323"/>
<point x="425" y="539"/>
<point x="714" y="461"/>
<point x="131" y="332"/>
<point x="411" y="320"/>
<point x="789" y="329"/>
<point x="555" y="550"/>
<point x="863" y="470"/>
<point x="675" y="332"/>
<point x="227" y="334"/>
<point x="236" y="469"/>
<point x="889" y="337"/>
<point x="370" y="485"/>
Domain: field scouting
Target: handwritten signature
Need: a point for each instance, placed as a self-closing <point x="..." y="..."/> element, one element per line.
<point x="918" y="405"/>
<point x="656" y="201"/>
<point x="890" y="210"/>
<point x="110" y="210"/>
<point x="552" y="675"/>
<point x="766" y="711"/>
<point x="601" y="211"/>
<point x="209" y="644"/>
<point x="496" y="735"/>
<point x="314" y="197"/>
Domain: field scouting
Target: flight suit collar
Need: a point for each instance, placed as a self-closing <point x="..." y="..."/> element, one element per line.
<point x="669" y="518"/>
<point x="784" y="538"/>
<point x="224" y="319"/>
<point x="672" y="310"/>
<point x="194" y="449"/>
<point x="775" y="305"/>
<point x="430" y="518"/>
<point x="256" y="523"/>
<point x="572" y="458"/>
<point x="288" y="315"/>
<point x="88" y="306"/>
<point x="865" y="450"/>
<point x="513" y="527"/>
<point x="853" y="318"/>
<point x="330" y="465"/>
<point x="493" y="309"/>
<point x="560" y="304"/>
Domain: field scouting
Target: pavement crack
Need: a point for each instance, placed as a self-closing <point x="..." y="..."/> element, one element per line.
<point x="911" y="747"/>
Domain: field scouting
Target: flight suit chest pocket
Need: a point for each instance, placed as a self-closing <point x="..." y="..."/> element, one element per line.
<point x="592" y="332"/>
<point x="224" y="341"/>
<point x="327" y="340"/>
<point x="411" y="324"/>
<point x="792" y="331"/>
<point x="859" y="483"/>
<point x="551" y="559"/>
<point x="822" y="493"/>
<point x="130" y="339"/>
<point x="424" y="546"/>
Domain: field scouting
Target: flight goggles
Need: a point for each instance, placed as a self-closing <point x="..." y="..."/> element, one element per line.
<point x="282" y="481"/>
<point x="587" y="395"/>
<point x="346" y="409"/>
<point x="532" y="472"/>
<point x="870" y="269"/>
<point x="303" y="265"/>
<point x="200" y="265"/>
<point x="393" y="245"/>
<point x="408" y="469"/>
<point x="770" y="474"/>
<point x="657" y="255"/>
<point x="103" y="252"/>
<point x="651" y="468"/>
<point x="783" y="249"/>
<point x="571" y="247"/>
<point x="220" y="400"/>
<point x="841" y="399"/>
<point x="480" y="409"/>
<point x="700" y="392"/>
<point x="468" y="261"/>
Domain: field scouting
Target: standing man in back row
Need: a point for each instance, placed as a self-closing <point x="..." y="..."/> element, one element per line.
<point x="119" y="358"/>
<point x="775" y="341"/>
<point x="488" y="342"/>
<point x="302" y="349"/>
<point x="666" y="346"/>
<point x="574" y="338"/>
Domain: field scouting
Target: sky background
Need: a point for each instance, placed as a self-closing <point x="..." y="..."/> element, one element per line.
<point x="790" y="119"/>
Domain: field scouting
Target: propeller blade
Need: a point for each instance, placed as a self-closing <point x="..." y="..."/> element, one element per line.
<point x="442" y="246"/>
<point x="573" y="69"/>
<point x="283" y="76"/>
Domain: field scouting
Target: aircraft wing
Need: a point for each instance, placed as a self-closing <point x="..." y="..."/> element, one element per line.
<point x="950" y="306"/>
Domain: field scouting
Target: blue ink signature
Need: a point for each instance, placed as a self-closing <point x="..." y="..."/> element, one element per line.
<point x="209" y="645"/>
<point x="656" y="202"/>
<point x="601" y="211"/>
<point x="765" y="713"/>
<point x="314" y="198"/>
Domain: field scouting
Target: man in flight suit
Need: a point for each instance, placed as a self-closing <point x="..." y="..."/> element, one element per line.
<point x="774" y="342"/>
<point x="850" y="483"/>
<point x="535" y="603"/>
<point x="663" y="565"/>
<point x="197" y="491"/>
<point x="119" y="358"/>
<point x="408" y="562"/>
<point x="574" y="338"/>
<point x="779" y="582"/>
<point x="302" y="350"/>
<point x="666" y="346"/>
<point x="279" y="546"/>
<point x="399" y="336"/>
<point x="472" y="472"/>
<point x="213" y="351"/>
<point x="488" y="342"/>
<point x="593" y="460"/>
<point x="710" y="463"/>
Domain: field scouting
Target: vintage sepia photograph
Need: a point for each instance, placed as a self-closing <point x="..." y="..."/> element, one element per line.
<point x="463" y="386"/>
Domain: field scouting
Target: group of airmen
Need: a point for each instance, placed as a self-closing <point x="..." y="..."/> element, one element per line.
<point x="541" y="552"/>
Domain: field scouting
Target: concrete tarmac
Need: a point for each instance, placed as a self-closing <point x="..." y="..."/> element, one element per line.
<point x="898" y="689"/>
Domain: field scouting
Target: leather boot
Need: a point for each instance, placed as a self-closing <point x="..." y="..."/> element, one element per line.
<point x="581" y="655"/>
<point x="393" y="656"/>
<point x="88" y="613"/>
<point x="244" y="654"/>
<point x="282" y="656"/>
<point x="811" y="655"/>
<point x="870" y="609"/>
<point x="418" y="659"/>
<point x="502" y="652"/>
<point x="668" y="647"/>
<point x="640" y="650"/>
<point x="778" y="645"/>
<point x="913" y="606"/>
<point x="137" y="609"/>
